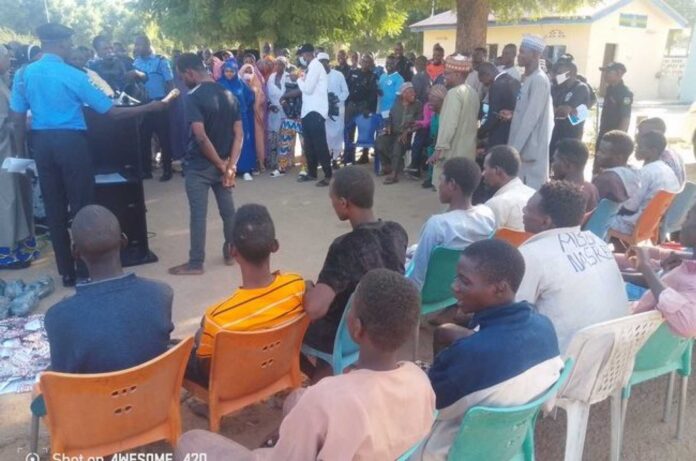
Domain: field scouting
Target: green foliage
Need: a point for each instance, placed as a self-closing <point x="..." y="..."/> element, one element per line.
<point x="283" y="22"/>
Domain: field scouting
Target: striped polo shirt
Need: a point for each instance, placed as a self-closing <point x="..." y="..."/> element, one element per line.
<point x="254" y="309"/>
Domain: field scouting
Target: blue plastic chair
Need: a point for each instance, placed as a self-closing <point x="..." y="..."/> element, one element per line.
<point x="599" y="221"/>
<point x="677" y="211"/>
<point x="436" y="293"/>
<point x="663" y="353"/>
<point x="345" y="351"/>
<point x="502" y="434"/>
<point x="367" y="131"/>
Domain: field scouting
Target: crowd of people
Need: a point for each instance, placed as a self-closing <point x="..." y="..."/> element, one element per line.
<point x="503" y="149"/>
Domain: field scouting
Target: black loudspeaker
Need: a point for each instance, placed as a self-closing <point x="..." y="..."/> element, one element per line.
<point x="126" y="201"/>
<point x="114" y="148"/>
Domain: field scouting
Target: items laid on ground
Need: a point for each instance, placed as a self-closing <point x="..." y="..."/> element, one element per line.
<point x="19" y="299"/>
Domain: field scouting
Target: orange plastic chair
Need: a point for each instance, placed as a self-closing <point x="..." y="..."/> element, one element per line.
<point x="96" y="415"/>
<point x="648" y="223"/>
<point x="512" y="236"/>
<point x="250" y="366"/>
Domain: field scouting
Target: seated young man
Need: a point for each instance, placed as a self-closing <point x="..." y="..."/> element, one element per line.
<point x="265" y="300"/>
<point x="572" y="276"/>
<point x="673" y="294"/>
<point x="372" y="244"/>
<point x="116" y="320"/>
<point x="654" y="176"/>
<point x="500" y="168"/>
<point x="513" y="356"/>
<point x="462" y="224"/>
<point x="617" y="181"/>
<point x="569" y="162"/>
<point x="376" y="412"/>
<point x="670" y="157"/>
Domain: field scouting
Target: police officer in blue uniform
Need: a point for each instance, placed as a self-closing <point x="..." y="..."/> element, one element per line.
<point x="55" y="93"/>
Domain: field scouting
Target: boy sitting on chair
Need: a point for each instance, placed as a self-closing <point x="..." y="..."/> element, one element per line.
<point x="510" y="359"/>
<point x="617" y="180"/>
<point x="265" y="300"/>
<point x="655" y="175"/>
<point x="462" y="224"/>
<point x="371" y="244"/>
<point x="376" y="412"/>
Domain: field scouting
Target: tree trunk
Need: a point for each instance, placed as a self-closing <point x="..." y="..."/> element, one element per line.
<point x="472" y="24"/>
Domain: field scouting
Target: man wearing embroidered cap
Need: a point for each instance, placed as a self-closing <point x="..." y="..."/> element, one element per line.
<point x="55" y="92"/>
<point x="532" y="120"/>
<point x="458" y="118"/>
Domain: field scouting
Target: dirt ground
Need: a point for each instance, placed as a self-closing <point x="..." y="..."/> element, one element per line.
<point x="305" y="226"/>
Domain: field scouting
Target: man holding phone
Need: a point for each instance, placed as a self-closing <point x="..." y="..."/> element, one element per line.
<point x="212" y="153"/>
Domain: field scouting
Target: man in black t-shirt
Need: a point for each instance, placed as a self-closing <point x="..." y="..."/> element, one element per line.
<point x="568" y="93"/>
<point x="211" y="157"/>
<point x="372" y="244"/>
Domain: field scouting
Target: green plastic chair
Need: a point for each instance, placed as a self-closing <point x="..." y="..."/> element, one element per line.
<point x="599" y="220"/>
<point x="406" y="456"/>
<point x="345" y="350"/>
<point x="663" y="353"/>
<point x="436" y="293"/>
<point x="502" y="434"/>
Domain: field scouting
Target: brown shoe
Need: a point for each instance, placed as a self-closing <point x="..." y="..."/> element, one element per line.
<point x="186" y="269"/>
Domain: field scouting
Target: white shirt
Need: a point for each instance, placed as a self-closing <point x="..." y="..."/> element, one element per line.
<point x="455" y="229"/>
<point x="338" y="86"/>
<point x="571" y="276"/>
<point x="512" y="71"/>
<point x="274" y="95"/>
<point x="507" y="204"/>
<point x="315" y="93"/>
<point x="654" y="176"/>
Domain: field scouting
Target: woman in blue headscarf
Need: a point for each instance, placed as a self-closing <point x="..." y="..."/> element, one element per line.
<point x="230" y="81"/>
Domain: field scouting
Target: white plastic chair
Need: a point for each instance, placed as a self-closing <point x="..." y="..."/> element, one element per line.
<point x="604" y="355"/>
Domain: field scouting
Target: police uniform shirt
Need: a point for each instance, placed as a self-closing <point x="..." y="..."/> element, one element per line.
<point x="363" y="89"/>
<point x="158" y="72"/>
<point x="56" y="92"/>
<point x="617" y="106"/>
<point x="573" y="96"/>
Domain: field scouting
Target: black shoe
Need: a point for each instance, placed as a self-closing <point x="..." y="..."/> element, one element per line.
<point x="68" y="281"/>
<point x="166" y="176"/>
<point x="227" y="254"/>
<point x="323" y="183"/>
<point x="427" y="184"/>
<point x="363" y="160"/>
<point x="306" y="178"/>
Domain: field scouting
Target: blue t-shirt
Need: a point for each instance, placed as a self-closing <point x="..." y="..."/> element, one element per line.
<point x="511" y="339"/>
<point x="389" y="84"/>
<point x="158" y="72"/>
<point x="55" y="93"/>
<point x="110" y="325"/>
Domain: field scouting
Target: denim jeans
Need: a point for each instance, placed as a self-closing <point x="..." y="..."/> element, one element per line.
<point x="198" y="183"/>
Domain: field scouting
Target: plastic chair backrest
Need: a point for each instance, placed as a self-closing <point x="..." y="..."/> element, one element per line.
<point x="600" y="218"/>
<point x="677" y="211"/>
<point x="344" y="346"/>
<point x="512" y="236"/>
<point x="500" y="433"/>
<point x="367" y="129"/>
<point x="100" y="414"/>
<point x="663" y="349"/>
<point x="437" y="286"/>
<point x="604" y="355"/>
<point x="649" y="220"/>
<point x="246" y="364"/>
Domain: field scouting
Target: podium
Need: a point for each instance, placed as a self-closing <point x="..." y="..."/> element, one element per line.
<point x="114" y="147"/>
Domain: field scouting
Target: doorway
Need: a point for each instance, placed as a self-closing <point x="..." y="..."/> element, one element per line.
<point x="609" y="57"/>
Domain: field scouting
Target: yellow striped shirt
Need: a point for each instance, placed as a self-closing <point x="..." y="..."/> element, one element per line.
<point x="254" y="309"/>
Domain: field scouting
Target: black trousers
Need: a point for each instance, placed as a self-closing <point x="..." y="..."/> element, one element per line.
<point x="155" y="123"/>
<point x="315" y="146"/>
<point x="67" y="184"/>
